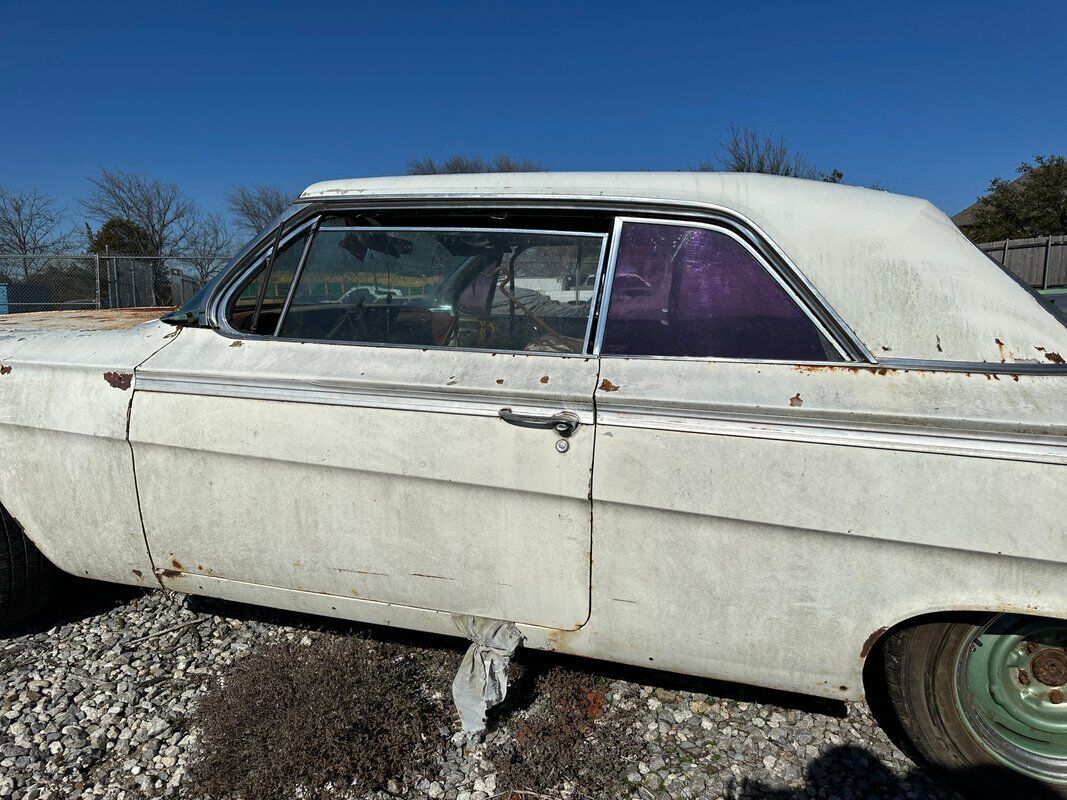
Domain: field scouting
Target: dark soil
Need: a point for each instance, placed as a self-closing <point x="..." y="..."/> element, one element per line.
<point x="568" y="735"/>
<point x="343" y="715"/>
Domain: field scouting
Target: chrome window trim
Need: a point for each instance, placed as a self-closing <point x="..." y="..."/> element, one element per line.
<point x="221" y="304"/>
<point x="618" y="204"/>
<point x="232" y="284"/>
<point x="605" y="305"/>
<point x="978" y="367"/>
<point x="615" y="205"/>
<point x="458" y="229"/>
<point x="312" y="230"/>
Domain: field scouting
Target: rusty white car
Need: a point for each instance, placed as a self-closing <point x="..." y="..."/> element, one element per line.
<point x="795" y="435"/>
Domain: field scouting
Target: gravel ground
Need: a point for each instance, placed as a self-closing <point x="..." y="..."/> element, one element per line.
<point x="101" y="701"/>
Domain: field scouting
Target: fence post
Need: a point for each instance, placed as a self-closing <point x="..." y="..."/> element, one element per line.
<point x="1004" y="258"/>
<point x="1048" y="261"/>
<point x="98" y="282"/>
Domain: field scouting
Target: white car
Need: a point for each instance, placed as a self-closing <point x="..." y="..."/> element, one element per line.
<point x="799" y="435"/>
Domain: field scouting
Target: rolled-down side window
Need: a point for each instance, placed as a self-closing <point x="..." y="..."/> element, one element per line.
<point x="472" y="288"/>
<point x="699" y="292"/>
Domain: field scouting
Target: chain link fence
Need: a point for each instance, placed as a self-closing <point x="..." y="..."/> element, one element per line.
<point x="59" y="282"/>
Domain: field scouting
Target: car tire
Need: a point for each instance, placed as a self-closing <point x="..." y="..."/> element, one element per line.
<point x="27" y="578"/>
<point x="930" y="681"/>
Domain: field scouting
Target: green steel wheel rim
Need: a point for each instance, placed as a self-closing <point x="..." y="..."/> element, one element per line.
<point x="1009" y="686"/>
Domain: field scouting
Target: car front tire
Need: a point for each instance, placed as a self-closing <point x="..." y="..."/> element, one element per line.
<point x="982" y="702"/>
<point x="27" y="578"/>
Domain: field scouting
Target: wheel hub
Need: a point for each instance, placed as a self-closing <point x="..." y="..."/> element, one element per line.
<point x="1008" y="680"/>
<point x="1050" y="667"/>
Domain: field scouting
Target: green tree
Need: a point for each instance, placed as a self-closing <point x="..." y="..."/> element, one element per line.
<point x="1034" y="204"/>
<point x="119" y="236"/>
<point x="469" y="165"/>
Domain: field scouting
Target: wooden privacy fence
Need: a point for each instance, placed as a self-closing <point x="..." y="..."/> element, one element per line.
<point x="1041" y="261"/>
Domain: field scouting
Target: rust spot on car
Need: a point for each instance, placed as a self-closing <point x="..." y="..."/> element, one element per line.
<point x="1015" y="378"/>
<point x="544" y="379"/>
<point x="236" y="344"/>
<point x="1000" y="349"/>
<point x="176" y="563"/>
<point x="119" y="380"/>
<point x="1055" y="358"/>
<point x="138" y="573"/>
<point x="822" y="367"/>
<point x="874" y="637"/>
<point x="169" y="573"/>
<point x="4" y="369"/>
<point x="881" y="371"/>
<point x="499" y="380"/>
<point x="608" y="386"/>
<point x="796" y="401"/>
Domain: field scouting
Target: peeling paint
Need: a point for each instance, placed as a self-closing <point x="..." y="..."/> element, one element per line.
<point x="796" y="401"/>
<point x="544" y="379"/>
<point x="608" y="386"/>
<point x="237" y="344"/>
<point x="119" y="380"/>
<point x="4" y="369"/>
<point x="169" y="573"/>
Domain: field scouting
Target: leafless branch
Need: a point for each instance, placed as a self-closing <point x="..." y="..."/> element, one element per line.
<point x="161" y="209"/>
<point x="469" y="165"/>
<point x="253" y="207"/>
<point x="31" y="224"/>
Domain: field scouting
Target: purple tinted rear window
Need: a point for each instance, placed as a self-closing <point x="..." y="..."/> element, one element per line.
<point x="694" y="292"/>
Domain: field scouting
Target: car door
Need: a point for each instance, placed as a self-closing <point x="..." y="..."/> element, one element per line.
<point x="409" y="421"/>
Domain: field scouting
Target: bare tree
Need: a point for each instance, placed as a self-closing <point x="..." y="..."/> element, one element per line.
<point x="253" y="207"/>
<point x="746" y="150"/>
<point x="208" y="246"/>
<point x="160" y="209"/>
<point x="469" y="165"/>
<point x="31" y="224"/>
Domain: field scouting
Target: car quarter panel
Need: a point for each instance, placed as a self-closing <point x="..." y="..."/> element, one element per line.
<point x="66" y="470"/>
<point x="377" y="473"/>
<point x="759" y="522"/>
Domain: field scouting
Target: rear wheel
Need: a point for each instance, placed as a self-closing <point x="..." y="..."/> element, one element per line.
<point x="26" y="576"/>
<point x="984" y="701"/>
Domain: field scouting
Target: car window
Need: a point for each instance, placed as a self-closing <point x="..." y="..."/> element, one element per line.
<point x="698" y="292"/>
<point x="242" y="312"/>
<point x="471" y="288"/>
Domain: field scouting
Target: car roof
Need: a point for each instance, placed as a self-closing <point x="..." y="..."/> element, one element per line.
<point x="895" y="268"/>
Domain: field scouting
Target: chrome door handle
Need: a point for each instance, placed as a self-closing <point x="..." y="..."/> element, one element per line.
<point x="562" y="423"/>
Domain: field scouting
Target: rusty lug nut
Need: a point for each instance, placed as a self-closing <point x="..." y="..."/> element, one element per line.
<point x="1024" y="679"/>
<point x="1055" y="696"/>
<point x="1032" y="647"/>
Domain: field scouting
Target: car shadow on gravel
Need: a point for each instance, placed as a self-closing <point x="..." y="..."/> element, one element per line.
<point x="850" y="771"/>
<point x="76" y="599"/>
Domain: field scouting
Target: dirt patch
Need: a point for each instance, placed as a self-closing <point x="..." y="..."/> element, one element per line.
<point x="569" y="736"/>
<point x="331" y="717"/>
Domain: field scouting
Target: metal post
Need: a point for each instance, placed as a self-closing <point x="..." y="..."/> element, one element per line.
<point x="97" y="281"/>
<point x="1048" y="261"/>
<point x="1004" y="258"/>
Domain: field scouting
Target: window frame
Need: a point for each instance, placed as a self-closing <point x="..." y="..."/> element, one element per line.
<point x="264" y="259"/>
<point x="604" y="304"/>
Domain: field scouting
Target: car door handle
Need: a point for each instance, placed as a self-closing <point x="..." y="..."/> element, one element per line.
<point x="562" y="423"/>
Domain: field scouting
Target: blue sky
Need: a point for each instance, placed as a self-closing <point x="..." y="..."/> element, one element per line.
<point x="930" y="99"/>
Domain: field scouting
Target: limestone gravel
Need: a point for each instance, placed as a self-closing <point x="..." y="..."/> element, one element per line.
<point x="99" y="701"/>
